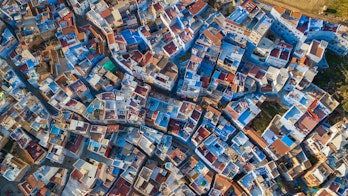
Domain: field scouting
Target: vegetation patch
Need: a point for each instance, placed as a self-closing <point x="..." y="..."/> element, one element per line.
<point x="334" y="80"/>
<point x="8" y="146"/>
<point x="268" y="110"/>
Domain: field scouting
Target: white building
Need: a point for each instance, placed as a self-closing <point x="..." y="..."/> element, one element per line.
<point x="260" y="29"/>
<point x="79" y="6"/>
<point x="279" y="56"/>
<point x="230" y="57"/>
<point x="285" y="24"/>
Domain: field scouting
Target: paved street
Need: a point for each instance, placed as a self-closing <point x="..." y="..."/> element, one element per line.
<point x="9" y="187"/>
<point x="35" y="91"/>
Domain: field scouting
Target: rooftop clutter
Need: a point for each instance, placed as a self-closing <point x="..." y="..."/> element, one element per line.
<point x="167" y="98"/>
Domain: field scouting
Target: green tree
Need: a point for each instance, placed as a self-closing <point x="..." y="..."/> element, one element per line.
<point x="345" y="106"/>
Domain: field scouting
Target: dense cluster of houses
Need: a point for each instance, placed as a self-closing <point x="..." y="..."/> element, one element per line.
<point x="113" y="97"/>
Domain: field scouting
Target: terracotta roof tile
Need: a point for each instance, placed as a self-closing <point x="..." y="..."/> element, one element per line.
<point x="296" y="14"/>
<point x="105" y="13"/>
<point x="279" y="148"/>
<point x="196" y="7"/>
<point x="280" y="10"/>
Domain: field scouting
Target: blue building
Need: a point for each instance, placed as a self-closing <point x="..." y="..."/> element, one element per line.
<point x="8" y="43"/>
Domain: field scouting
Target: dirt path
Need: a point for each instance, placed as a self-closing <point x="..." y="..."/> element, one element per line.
<point x="290" y="7"/>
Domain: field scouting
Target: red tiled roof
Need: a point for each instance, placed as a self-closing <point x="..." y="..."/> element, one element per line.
<point x="158" y="6"/>
<point x="222" y="76"/>
<point x="13" y="54"/>
<point x="213" y="38"/>
<point x="32" y="181"/>
<point x="126" y="63"/>
<point x="64" y="43"/>
<point x="137" y="56"/>
<point x="203" y="132"/>
<point x="253" y="71"/>
<point x="160" y="178"/>
<point x="170" y="48"/>
<point x="210" y="157"/>
<point x="68" y="19"/>
<point x="111" y="38"/>
<point x="302" y="27"/>
<point x="285" y="45"/>
<point x="167" y="37"/>
<point x="284" y="55"/>
<point x="249" y="5"/>
<point x="296" y="14"/>
<point x="325" y="193"/>
<point x="141" y="90"/>
<point x="120" y="39"/>
<point x="195" y="59"/>
<point x="196" y="7"/>
<point x="232" y="23"/>
<point x="145" y="32"/>
<point x="275" y="52"/>
<point x="175" y="126"/>
<point x="120" y="188"/>
<point x="25" y="187"/>
<point x="105" y="13"/>
<point x="171" y="13"/>
<point x="74" y="147"/>
<point x="330" y="28"/>
<point x="186" y="35"/>
<point x="146" y="58"/>
<point x="260" y="75"/>
<point x="34" y="150"/>
<point x="68" y="29"/>
<point x="23" y="68"/>
<point x="316" y="49"/>
<point x="230" y="78"/>
<point x="108" y="96"/>
<point x="334" y="187"/>
<point x="231" y="112"/>
<point x="195" y="115"/>
<point x="280" y="10"/>
<point x="279" y="147"/>
<point x="256" y="137"/>
<point x="307" y="122"/>
<point x="76" y="174"/>
<point x="175" y="28"/>
<point x="205" y="81"/>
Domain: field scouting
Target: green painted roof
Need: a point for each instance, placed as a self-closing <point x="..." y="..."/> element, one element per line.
<point x="109" y="66"/>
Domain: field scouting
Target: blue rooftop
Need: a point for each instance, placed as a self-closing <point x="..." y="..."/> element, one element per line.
<point x="243" y="118"/>
<point x="133" y="37"/>
<point x="128" y="36"/>
<point x="55" y="130"/>
<point x="315" y="24"/>
<point x="240" y="139"/>
<point x="265" y="21"/>
<point x="287" y="141"/>
<point x="7" y="34"/>
<point x="30" y="63"/>
<point x="238" y="16"/>
<point x="225" y="132"/>
<point x="291" y="113"/>
<point x="260" y="154"/>
<point x="206" y="68"/>
<point x="216" y="74"/>
<point x="247" y="180"/>
<point x="53" y="86"/>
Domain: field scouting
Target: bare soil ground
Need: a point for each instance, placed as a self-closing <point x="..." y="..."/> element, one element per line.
<point x="337" y="10"/>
